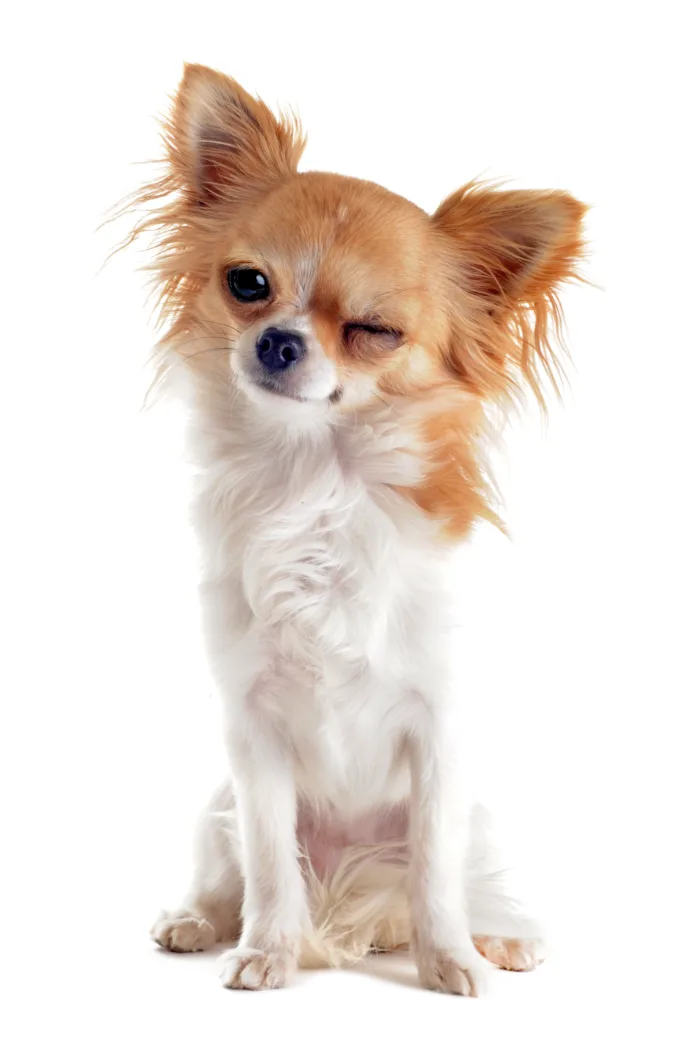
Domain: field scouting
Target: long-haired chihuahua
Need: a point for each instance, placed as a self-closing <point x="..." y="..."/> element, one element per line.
<point x="343" y="353"/>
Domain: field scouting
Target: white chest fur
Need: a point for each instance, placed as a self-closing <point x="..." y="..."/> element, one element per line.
<point x="315" y="566"/>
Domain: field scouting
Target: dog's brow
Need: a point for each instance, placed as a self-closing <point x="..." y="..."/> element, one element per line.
<point x="387" y="295"/>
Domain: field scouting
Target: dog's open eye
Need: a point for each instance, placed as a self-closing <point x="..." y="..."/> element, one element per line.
<point x="247" y="284"/>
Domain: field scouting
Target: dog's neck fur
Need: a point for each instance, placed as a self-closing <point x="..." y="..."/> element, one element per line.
<point x="305" y="521"/>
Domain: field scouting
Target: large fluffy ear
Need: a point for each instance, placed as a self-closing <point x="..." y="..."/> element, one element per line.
<point x="225" y="144"/>
<point x="222" y="147"/>
<point x="507" y="253"/>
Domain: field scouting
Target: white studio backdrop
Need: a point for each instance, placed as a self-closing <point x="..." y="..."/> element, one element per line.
<point x="581" y="625"/>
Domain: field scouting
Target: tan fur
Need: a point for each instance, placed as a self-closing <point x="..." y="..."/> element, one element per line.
<point x="456" y="490"/>
<point x="510" y="954"/>
<point x="471" y="293"/>
<point x="462" y="314"/>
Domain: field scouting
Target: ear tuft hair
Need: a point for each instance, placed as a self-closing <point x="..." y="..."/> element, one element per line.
<point x="507" y="254"/>
<point x="225" y="143"/>
<point x="222" y="148"/>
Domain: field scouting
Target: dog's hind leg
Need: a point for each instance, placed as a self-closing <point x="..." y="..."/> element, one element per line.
<point x="504" y="931"/>
<point x="211" y="910"/>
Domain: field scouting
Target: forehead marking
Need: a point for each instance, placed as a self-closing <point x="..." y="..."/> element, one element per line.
<point x="307" y="263"/>
<point x="306" y="273"/>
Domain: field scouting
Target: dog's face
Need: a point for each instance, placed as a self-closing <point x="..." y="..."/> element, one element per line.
<point x="331" y="288"/>
<point x="327" y="292"/>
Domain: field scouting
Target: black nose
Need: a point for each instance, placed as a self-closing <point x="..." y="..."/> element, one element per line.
<point x="279" y="349"/>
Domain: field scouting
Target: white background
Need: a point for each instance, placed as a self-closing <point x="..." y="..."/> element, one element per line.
<point x="582" y="627"/>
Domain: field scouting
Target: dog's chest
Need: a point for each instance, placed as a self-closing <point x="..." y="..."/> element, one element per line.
<point x="335" y="577"/>
<point x="342" y="595"/>
<point x="331" y="567"/>
<point x="348" y="742"/>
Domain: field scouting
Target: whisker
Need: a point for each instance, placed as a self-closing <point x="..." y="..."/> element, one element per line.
<point x="203" y="337"/>
<point x="205" y="351"/>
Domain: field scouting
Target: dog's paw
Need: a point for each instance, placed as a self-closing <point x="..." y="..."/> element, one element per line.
<point x="183" y="932"/>
<point x="453" y="971"/>
<point x="247" y="969"/>
<point x="511" y="954"/>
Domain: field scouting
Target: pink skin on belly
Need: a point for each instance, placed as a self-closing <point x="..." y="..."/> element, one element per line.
<point x="324" y="835"/>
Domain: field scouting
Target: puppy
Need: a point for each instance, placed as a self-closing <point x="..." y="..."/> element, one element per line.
<point x="343" y="351"/>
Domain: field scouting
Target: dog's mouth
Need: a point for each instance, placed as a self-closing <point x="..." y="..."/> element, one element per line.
<point x="276" y="388"/>
<point x="283" y="389"/>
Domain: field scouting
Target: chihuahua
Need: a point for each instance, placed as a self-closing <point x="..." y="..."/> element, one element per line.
<point x="343" y="354"/>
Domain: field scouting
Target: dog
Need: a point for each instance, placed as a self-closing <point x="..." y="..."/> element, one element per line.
<point x="343" y="354"/>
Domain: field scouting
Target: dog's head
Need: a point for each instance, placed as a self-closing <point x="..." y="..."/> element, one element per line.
<point x="329" y="290"/>
<point x="325" y="294"/>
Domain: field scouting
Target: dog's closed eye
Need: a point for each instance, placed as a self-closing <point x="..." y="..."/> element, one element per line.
<point x="387" y="336"/>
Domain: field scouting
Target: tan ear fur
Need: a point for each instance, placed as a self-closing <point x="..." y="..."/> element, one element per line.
<point x="225" y="143"/>
<point x="508" y="252"/>
<point x="222" y="147"/>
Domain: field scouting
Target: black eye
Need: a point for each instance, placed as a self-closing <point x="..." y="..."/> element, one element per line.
<point x="248" y="284"/>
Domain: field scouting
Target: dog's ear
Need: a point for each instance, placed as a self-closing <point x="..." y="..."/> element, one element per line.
<point x="223" y="143"/>
<point x="512" y="246"/>
<point x="508" y="252"/>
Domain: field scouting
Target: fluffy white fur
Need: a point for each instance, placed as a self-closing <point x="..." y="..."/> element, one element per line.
<point x="330" y="599"/>
<point x="329" y="609"/>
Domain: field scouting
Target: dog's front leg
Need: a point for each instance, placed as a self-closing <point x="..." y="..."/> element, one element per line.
<point x="444" y="951"/>
<point x="275" y="907"/>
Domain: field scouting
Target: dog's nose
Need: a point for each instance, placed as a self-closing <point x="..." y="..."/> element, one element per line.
<point x="279" y="349"/>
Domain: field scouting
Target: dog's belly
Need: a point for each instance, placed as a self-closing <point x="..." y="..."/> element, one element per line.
<point x="325" y="835"/>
